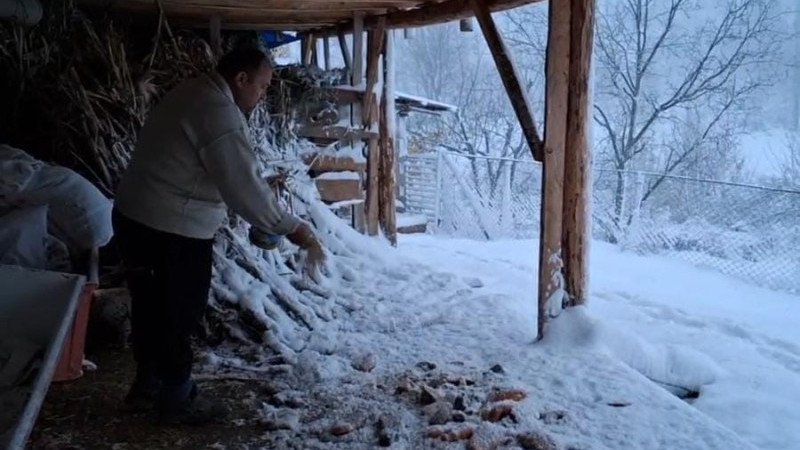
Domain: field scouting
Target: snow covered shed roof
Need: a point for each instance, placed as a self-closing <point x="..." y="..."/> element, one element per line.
<point x="304" y="15"/>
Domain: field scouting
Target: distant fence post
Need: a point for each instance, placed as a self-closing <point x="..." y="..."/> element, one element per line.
<point x="437" y="215"/>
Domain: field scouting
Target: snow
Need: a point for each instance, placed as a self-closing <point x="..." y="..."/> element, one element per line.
<point x="345" y="203"/>
<point x="425" y="101"/>
<point x="606" y="376"/>
<point x="664" y="319"/>
<point x="399" y="96"/>
<point x="339" y="176"/>
<point x="410" y="220"/>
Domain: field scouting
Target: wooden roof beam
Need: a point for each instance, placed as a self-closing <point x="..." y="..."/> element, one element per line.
<point x="429" y="14"/>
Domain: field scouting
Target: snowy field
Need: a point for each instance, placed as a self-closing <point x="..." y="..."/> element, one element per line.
<point x="671" y="322"/>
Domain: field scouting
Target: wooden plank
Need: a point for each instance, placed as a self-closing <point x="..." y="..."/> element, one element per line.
<point x="215" y="36"/>
<point x="388" y="174"/>
<point x="333" y="163"/>
<point x="578" y="156"/>
<point x="510" y="76"/>
<point x="338" y="190"/>
<point x="556" y="97"/>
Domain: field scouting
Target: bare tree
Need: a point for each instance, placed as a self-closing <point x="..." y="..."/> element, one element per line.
<point x="455" y="67"/>
<point x="672" y="77"/>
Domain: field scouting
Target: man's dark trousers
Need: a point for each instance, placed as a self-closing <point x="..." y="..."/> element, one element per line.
<point x="168" y="277"/>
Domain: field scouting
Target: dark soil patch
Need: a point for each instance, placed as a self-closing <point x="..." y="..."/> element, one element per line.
<point x="87" y="414"/>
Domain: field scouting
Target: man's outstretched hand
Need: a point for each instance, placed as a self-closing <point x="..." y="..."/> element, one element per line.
<point x="304" y="238"/>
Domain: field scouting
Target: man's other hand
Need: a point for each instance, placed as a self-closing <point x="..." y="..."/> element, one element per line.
<point x="304" y="238"/>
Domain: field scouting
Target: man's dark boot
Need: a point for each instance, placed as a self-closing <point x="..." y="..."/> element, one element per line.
<point x="143" y="393"/>
<point x="184" y="405"/>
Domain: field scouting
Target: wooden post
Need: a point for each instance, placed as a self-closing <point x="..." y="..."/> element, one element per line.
<point x="511" y="79"/>
<point x="348" y="63"/>
<point x="388" y="174"/>
<point x="314" y="51"/>
<point x="577" y="161"/>
<point x="326" y="50"/>
<point x="370" y="116"/>
<point x="358" y="48"/>
<point x="556" y="97"/>
<point x="215" y="35"/>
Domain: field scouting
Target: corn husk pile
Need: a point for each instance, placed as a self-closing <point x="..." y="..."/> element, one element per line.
<point x="79" y="88"/>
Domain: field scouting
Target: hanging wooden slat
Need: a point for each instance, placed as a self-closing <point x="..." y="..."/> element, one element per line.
<point x="326" y="50"/>
<point x="556" y="97"/>
<point x="214" y="31"/>
<point x="307" y="49"/>
<point x="576" y="232"/>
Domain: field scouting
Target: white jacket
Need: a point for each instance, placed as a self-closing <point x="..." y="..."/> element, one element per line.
<point x="193" y="156"/>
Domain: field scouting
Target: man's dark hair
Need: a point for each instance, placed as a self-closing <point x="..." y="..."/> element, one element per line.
<point x="242" y="59"/>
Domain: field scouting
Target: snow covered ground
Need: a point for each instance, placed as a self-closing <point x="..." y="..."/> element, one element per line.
<point x="669" y="321"/>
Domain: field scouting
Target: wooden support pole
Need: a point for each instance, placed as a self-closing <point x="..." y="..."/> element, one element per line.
<point x="303" y="49"/>
<point x="510" y="76"/>
<point x="370" y="116"/>
<point x="388" y="174"/>
<point x="374" y="48"/>
<point x="215" y="35"/>
<point x="577" y="161"/>
<point x="314" y="51"/>
<point x="358" y="48"/>
<point x="326" y="50"/>
<point x="348" y="62"/>
<point x="556" y="98"/>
